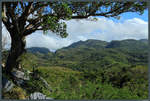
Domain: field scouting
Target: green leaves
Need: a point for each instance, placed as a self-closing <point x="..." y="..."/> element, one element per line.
<point x="56" y="23"/>
<point x="62" y="10"/>
<point x="53" y="24"/>
<point x="140" y="6"/>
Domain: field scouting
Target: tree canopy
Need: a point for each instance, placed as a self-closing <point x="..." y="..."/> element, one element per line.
<point x="27" y="17"/>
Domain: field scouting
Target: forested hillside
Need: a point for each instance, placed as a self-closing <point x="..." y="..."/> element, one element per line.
<point x="92" y="69"/>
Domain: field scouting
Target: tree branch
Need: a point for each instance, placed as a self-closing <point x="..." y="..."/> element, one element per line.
<point x="23" y="18"/>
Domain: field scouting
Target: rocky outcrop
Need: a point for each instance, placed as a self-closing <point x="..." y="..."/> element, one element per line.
<point x="38" y="95"/>
<point x="21" y="78"/>
<point x="6" y="85"/>
<point x="20" y="75"/>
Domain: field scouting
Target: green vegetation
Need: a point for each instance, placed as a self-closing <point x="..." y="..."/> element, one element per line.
<point x="91" y="69"/>
<point x="69" y="84"/>
<point x="15" y="93"/>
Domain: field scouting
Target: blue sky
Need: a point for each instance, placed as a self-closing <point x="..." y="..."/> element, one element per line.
<point x="131" y="15"/>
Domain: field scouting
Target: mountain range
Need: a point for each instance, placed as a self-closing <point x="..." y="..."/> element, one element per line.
<point x="93" y="54"/>
<point x="97" y="44"/>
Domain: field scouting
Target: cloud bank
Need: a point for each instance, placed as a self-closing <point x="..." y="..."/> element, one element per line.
<point x="102" y="29"/>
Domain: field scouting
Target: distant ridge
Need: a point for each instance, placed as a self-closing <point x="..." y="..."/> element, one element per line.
<point x="90" y="44"/>
<point x="129" y="44"/>
<point x="38" y="50"/>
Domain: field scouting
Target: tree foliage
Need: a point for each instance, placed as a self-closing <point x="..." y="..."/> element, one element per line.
<point x="27" y="17"/>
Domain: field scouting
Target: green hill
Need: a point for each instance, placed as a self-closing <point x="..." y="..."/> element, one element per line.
<point x="96" y="53"/>
<point x="38" y="50"/>
<point x="129" y="44"/>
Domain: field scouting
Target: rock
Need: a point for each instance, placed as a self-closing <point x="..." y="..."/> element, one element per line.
<point x="20" y="75"/>
<point x="19" y="81"/>
<point x="6" y="84"/>
<point x="38" y="95"/>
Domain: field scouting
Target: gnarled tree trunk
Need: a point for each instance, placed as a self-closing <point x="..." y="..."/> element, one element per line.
<point x="17" y="49"/>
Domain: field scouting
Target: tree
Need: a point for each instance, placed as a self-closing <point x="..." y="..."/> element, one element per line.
<point x="24" y="18"/>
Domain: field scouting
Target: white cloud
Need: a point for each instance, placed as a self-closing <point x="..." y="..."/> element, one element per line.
<point x="50" y="41"/>
<point x="5" y="37"/>
<point x="103" y="29"/>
